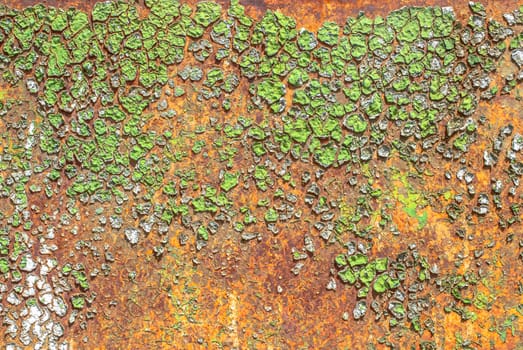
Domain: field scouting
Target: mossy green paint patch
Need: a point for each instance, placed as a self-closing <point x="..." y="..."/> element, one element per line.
<point x="410" y="199"/>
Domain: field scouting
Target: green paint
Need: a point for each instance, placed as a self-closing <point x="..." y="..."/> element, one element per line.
<point x="229" y="181"/>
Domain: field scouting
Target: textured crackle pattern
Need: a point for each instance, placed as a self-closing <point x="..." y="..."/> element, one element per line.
<point x="154" y="154"/>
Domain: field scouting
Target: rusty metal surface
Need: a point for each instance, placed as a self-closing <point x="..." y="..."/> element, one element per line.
<point x="234" y="294"/>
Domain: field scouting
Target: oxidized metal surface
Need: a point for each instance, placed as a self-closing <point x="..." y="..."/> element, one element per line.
<point x="242" y="228"/>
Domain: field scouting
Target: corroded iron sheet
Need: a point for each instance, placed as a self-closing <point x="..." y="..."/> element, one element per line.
<point x="261" y="174"/>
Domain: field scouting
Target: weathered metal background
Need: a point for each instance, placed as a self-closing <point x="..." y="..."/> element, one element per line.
<point x="237" y="295"/>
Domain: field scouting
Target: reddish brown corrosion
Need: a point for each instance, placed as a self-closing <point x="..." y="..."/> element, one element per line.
<point x="232" y="293"/>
